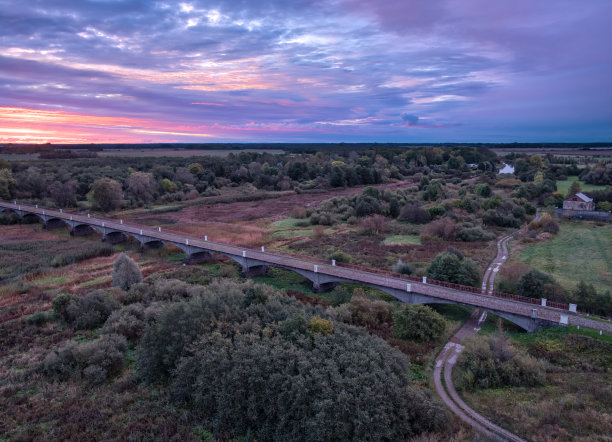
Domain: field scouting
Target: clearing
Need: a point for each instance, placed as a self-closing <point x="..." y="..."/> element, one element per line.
<point x="581" y="251"/>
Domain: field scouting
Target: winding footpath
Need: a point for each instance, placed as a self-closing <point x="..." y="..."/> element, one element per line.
<point x="447" y="359"/>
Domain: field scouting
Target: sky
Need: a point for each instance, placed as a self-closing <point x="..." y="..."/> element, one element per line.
<point x="140" y="71"/>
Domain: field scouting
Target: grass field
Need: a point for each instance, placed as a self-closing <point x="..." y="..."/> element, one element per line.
<point x="402" y="240"/>
<point x="581" y="251"/>
<point x="563" y="186"/>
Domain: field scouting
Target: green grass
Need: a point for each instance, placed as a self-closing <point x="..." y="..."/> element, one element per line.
<point x="50" y="280"/>
<point x="401" y="240"/>
<point x="96" y="281"/>
<point x="287" y="223"/>
<point x="563" y="186"/>
<point x="291" y="233"/>
<point x="581" y="251"/>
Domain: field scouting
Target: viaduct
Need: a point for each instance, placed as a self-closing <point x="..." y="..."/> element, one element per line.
<point x="324" y="275"/>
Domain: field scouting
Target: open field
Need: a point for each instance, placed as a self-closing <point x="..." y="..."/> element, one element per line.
<point x="581" y="251"/>
<point x="563" y="186"/>
<point x="558" y="151"/>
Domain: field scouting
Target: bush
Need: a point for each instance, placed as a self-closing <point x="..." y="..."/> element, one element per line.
<point x="402" y="267"/>
<point x="339" y="295"/>
<point x="444" y="228"/>
<point x="340" y="256"/>
<point x="483" y="190"/>
<point x="532" y="284"/>
<point x="60" y="302"/>
<point x="320" y="326"/>
<point x="39" y="318"/>
<point x="475" y="234"/>
<point x="449" y="267"/>
<point x="128" y="321"/>
<point x="492" y="362"/>
<point x="88" y="312"/>
<point x="413" y="213"/>
<point x="418" y="323"/>
<point x="95" y="361"/>
<point x="374" y="224"/>
<point x="125" y="272"/>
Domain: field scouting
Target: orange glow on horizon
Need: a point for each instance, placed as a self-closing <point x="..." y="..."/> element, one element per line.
<point x="21" y="125"/>
<point x="36" y="126"/>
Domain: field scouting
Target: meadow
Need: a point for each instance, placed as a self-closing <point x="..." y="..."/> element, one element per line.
<point x="581" y="251"/>
<point x="564" y="185"/>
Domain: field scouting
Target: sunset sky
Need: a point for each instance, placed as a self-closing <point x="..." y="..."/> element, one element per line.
<point x="107" y="71"/>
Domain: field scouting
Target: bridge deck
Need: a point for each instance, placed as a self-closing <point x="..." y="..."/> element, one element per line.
<point x="453" y="295"/>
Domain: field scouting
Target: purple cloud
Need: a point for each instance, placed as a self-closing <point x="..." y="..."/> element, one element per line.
<point x="312" y="70"/>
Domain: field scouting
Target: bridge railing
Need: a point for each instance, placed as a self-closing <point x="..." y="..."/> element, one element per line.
<point x="514" y="297"/>
<point x="559" y="305"/>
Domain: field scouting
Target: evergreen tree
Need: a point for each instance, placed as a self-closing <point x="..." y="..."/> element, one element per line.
<point x="574" y="188"/>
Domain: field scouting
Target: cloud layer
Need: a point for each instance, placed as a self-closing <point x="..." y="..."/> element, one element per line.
<point x="305" y="70"/>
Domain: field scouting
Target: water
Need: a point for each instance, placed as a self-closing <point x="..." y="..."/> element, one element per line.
<point x="507" y="169"/>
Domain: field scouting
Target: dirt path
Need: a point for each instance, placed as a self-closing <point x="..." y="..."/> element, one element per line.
<point x="447" y="359"/>
<point x="491" y="272"/>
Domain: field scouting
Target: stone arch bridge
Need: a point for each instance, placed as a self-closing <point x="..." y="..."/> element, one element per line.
<point x="324" y="275"/>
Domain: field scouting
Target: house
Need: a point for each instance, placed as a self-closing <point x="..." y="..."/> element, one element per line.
<point x="578" y="202"/>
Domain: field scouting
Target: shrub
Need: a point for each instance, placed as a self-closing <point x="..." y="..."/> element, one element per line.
<point x="340" y="256"/>
<point x="418" y="323"/>
<point x="415" y="214"/>
<point x="60" y="302"/>
<point x="402" y="267"/>
<point x="475" y="234"/>
<point x="448" y="267"/>
<point x="95" y="361"/>
<point x="492" y="362"/>
<point x="444" y="228"/>
<point x="128" y="321"/>
<point x="436" y="211"/>
<point x="125" y="272"/>
<point x="320" y="326"/>
<point x="531" y="284"/>
<point x="373" y="315"/>
<point x="374" y="224"/>
<point x="88" y="312"/>
<point x="298" y="212"/>
<point x="483" y="190"/>
<point x="339" y="295"/>
<point x="39" y="318"/>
